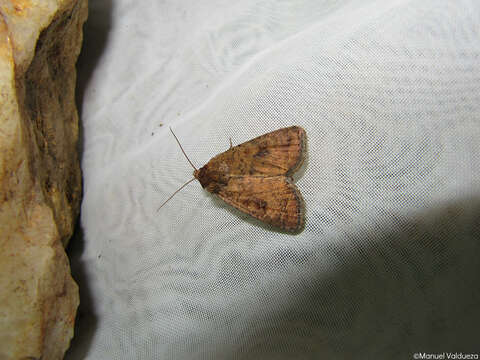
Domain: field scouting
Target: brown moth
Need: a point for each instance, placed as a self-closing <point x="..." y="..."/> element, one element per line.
<point x="255" y="177"/>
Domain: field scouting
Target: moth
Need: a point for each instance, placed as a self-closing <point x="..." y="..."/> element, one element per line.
<point x="255" y="177"/>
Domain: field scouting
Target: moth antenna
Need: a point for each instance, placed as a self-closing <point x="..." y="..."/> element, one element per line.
<point x="188" y="182"/>
<point x="181" y="148"/>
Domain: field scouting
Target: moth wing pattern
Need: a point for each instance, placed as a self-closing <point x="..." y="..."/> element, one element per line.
<point x="273" y="200"/>
<point x="279" y="152"/>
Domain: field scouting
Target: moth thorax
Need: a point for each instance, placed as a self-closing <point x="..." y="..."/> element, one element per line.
<point x="202" y="177"/>
<point x="210" y="180"/>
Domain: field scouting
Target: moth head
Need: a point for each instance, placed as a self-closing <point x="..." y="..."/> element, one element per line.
<point x="202" y="176"/>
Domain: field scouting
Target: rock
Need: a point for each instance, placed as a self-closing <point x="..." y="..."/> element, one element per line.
<point x="40" y="179"/>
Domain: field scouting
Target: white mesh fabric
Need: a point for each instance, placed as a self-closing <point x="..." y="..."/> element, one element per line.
<point x="389" y="94"/>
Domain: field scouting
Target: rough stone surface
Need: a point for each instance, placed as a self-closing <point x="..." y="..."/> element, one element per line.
<point x="40" y="179"/>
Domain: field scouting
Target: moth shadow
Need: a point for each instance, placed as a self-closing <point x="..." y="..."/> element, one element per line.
<point x="297" y="175"/>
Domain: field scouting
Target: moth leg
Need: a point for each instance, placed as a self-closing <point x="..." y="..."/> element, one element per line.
<point x="231" y="143"/>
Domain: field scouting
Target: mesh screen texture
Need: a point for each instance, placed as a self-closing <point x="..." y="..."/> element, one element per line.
<point x="387" y="266"/>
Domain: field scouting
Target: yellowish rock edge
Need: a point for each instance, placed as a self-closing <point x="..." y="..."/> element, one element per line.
<point x="40" y="178"/>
